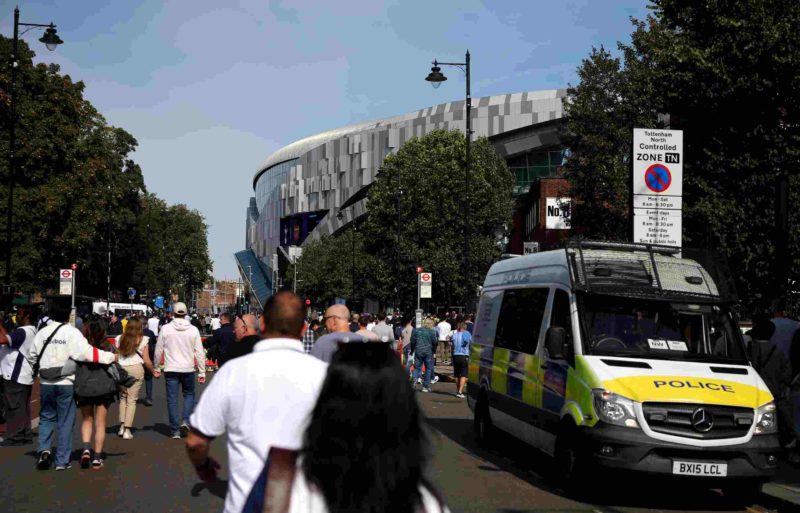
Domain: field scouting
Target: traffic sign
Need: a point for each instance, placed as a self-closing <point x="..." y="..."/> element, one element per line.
<point x="131" y="293"/>
<point x="419" y="269"/>
<point x="658" y="178"/>
<point x="159" y="302"/>
<point x="657" y="186"/>
<point x="426" y="278"/>
<point x="74" y="267"/>
<point x="65" y="282"/>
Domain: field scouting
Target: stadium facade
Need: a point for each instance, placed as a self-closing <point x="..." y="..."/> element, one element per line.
<point x="300" y="189"/>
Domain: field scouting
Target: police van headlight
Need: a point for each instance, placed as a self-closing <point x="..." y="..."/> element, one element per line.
<point x="614" y="409"/>
<point x="766" y="419"/>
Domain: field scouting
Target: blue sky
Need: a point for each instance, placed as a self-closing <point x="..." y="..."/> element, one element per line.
<point x="211" y="88"/>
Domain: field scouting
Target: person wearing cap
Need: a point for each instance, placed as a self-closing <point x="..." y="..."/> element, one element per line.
<point x="180" y="345"/>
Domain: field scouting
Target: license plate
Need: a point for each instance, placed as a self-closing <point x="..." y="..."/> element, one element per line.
<point x="694" y="468"/>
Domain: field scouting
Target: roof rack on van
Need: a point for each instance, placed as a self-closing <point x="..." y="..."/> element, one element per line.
<point x="644" y="270"/>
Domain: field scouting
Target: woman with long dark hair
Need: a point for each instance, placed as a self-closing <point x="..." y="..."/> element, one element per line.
<point x="94" y="407"/>
<point x="366" y="447"/>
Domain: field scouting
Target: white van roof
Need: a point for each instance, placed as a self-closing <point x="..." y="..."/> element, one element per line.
<point x="610" y="268"/>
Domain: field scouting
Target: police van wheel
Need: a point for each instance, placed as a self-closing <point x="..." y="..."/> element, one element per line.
<point x="570" y="466"/>
<point x="482" y="423"/>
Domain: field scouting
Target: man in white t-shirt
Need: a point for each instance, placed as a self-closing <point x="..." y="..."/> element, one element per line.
<point x="260" y="400"/>
<point x="215" y="323"/>
<point x="444" y="331"/>
<point x="153" y="323"/>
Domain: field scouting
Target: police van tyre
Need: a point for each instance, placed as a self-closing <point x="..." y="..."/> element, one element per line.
<point x="482" y="423"/>
<point x="571" y="466"/>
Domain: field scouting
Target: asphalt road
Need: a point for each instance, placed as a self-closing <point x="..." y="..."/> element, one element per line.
<point x="151" y="473"/>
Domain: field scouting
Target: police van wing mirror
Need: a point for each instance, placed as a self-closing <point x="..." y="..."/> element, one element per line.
<point x="556" y="342"/>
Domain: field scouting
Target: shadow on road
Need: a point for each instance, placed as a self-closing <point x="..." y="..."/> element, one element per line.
<point x="217" y="489"/>
<point x="507" y="454"/>
<point x="158" y="427"/>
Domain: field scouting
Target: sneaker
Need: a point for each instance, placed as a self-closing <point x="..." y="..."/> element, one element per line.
<point x="176" y="435"/>
<point x="121" y="430"/>
<point x="64" y="467"/>
<point x="127" y="435"/>
<point x="86" y="458"/>
<point x="148" y="402"/>
<point x="185" y="429"/>
<point x="435" y="380"/>
<point x="426" y="390"/>
<point x="419" y="380"/>
<point x="98" y="461"/>
<point x="45" y="460"/>
<point x="460" y="396"/>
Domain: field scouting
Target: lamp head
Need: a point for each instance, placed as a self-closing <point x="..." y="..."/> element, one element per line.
<point x="435" y="77"/>
<point x="50" y="38"/>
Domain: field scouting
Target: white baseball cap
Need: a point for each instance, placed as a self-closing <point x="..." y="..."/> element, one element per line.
<point x="179" y="308"/>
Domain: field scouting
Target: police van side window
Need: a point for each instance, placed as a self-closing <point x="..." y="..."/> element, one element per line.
<point x="560" y="316"/>
<point x="520" y="319"/>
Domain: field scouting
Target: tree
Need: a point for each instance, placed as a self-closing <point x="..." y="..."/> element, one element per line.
<point x="335" y="267"/>
<point x="726" y="72"/>
<point x="416" y="215"/>
<point x="78" y="192"/>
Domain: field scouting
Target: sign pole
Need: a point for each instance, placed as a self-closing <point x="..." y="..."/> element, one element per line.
<point x="73" y="288"/>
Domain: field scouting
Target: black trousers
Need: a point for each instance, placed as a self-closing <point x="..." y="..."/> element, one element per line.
<point x="17" y="402"/>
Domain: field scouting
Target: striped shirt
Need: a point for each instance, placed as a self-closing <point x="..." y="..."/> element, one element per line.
<point x="308" y="340"/>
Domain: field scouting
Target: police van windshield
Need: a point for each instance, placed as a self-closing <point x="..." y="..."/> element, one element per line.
<point x="643" y="328"/>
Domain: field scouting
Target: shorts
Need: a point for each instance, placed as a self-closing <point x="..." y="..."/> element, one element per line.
<point x="460" y="366"/>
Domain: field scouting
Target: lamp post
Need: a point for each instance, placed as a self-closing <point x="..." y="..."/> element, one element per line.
<point x="436" y="77"/>
<point x="51" y="40"/>
<point x="340" y="217"/>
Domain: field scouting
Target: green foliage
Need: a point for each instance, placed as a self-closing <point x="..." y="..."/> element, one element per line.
<point x="335" y="267"/>
<point x="78" y="193"/>
<point x="416" y="214"/>
<point x="726" y="72"/>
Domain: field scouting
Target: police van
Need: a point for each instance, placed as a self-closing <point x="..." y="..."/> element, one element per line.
<point x="621" y="356"/>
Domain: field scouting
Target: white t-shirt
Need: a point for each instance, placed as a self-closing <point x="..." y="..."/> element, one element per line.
<point x="215" y="324"/>
<point x="259" y="400"/>
<point x="444" y="330"/>
<point x="153" y="324"/>
<point x="67" y="343"/>
<point x="307" y="498"/>
<point x="133" y="359"/>
<point x="13" y="358"/>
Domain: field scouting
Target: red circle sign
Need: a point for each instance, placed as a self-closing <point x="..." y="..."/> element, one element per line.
<point x="66" y="273"/>
<point x="419" y="270"/>
<point x="658" y="178"/>
<point x="425" y="277"/>
<point x="74" y="267"/>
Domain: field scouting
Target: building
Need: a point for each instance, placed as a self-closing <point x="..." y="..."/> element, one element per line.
<point x="300" y="189"/>
<point x="217" y="297"/>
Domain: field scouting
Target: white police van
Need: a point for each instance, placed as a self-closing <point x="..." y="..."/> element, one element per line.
<point x="621" y="356"/>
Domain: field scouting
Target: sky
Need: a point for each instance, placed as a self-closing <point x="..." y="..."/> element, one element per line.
<point x="211" y="88"/>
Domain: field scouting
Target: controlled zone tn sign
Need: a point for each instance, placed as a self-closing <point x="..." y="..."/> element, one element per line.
<point x="657" y="161"/>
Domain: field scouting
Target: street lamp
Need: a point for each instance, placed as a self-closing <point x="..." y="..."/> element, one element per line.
<point x="340" y="217"/>
<point x="435" y="77"/>
<point x="51" y="40"/>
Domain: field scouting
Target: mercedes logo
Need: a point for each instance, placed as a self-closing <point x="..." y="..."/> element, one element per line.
<point x="702" y="421"/>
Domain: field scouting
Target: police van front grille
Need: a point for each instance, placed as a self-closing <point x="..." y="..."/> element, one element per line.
<point x="702" y="422"/>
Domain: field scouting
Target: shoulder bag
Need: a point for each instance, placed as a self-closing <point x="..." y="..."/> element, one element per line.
<point x="51" y="371"/>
